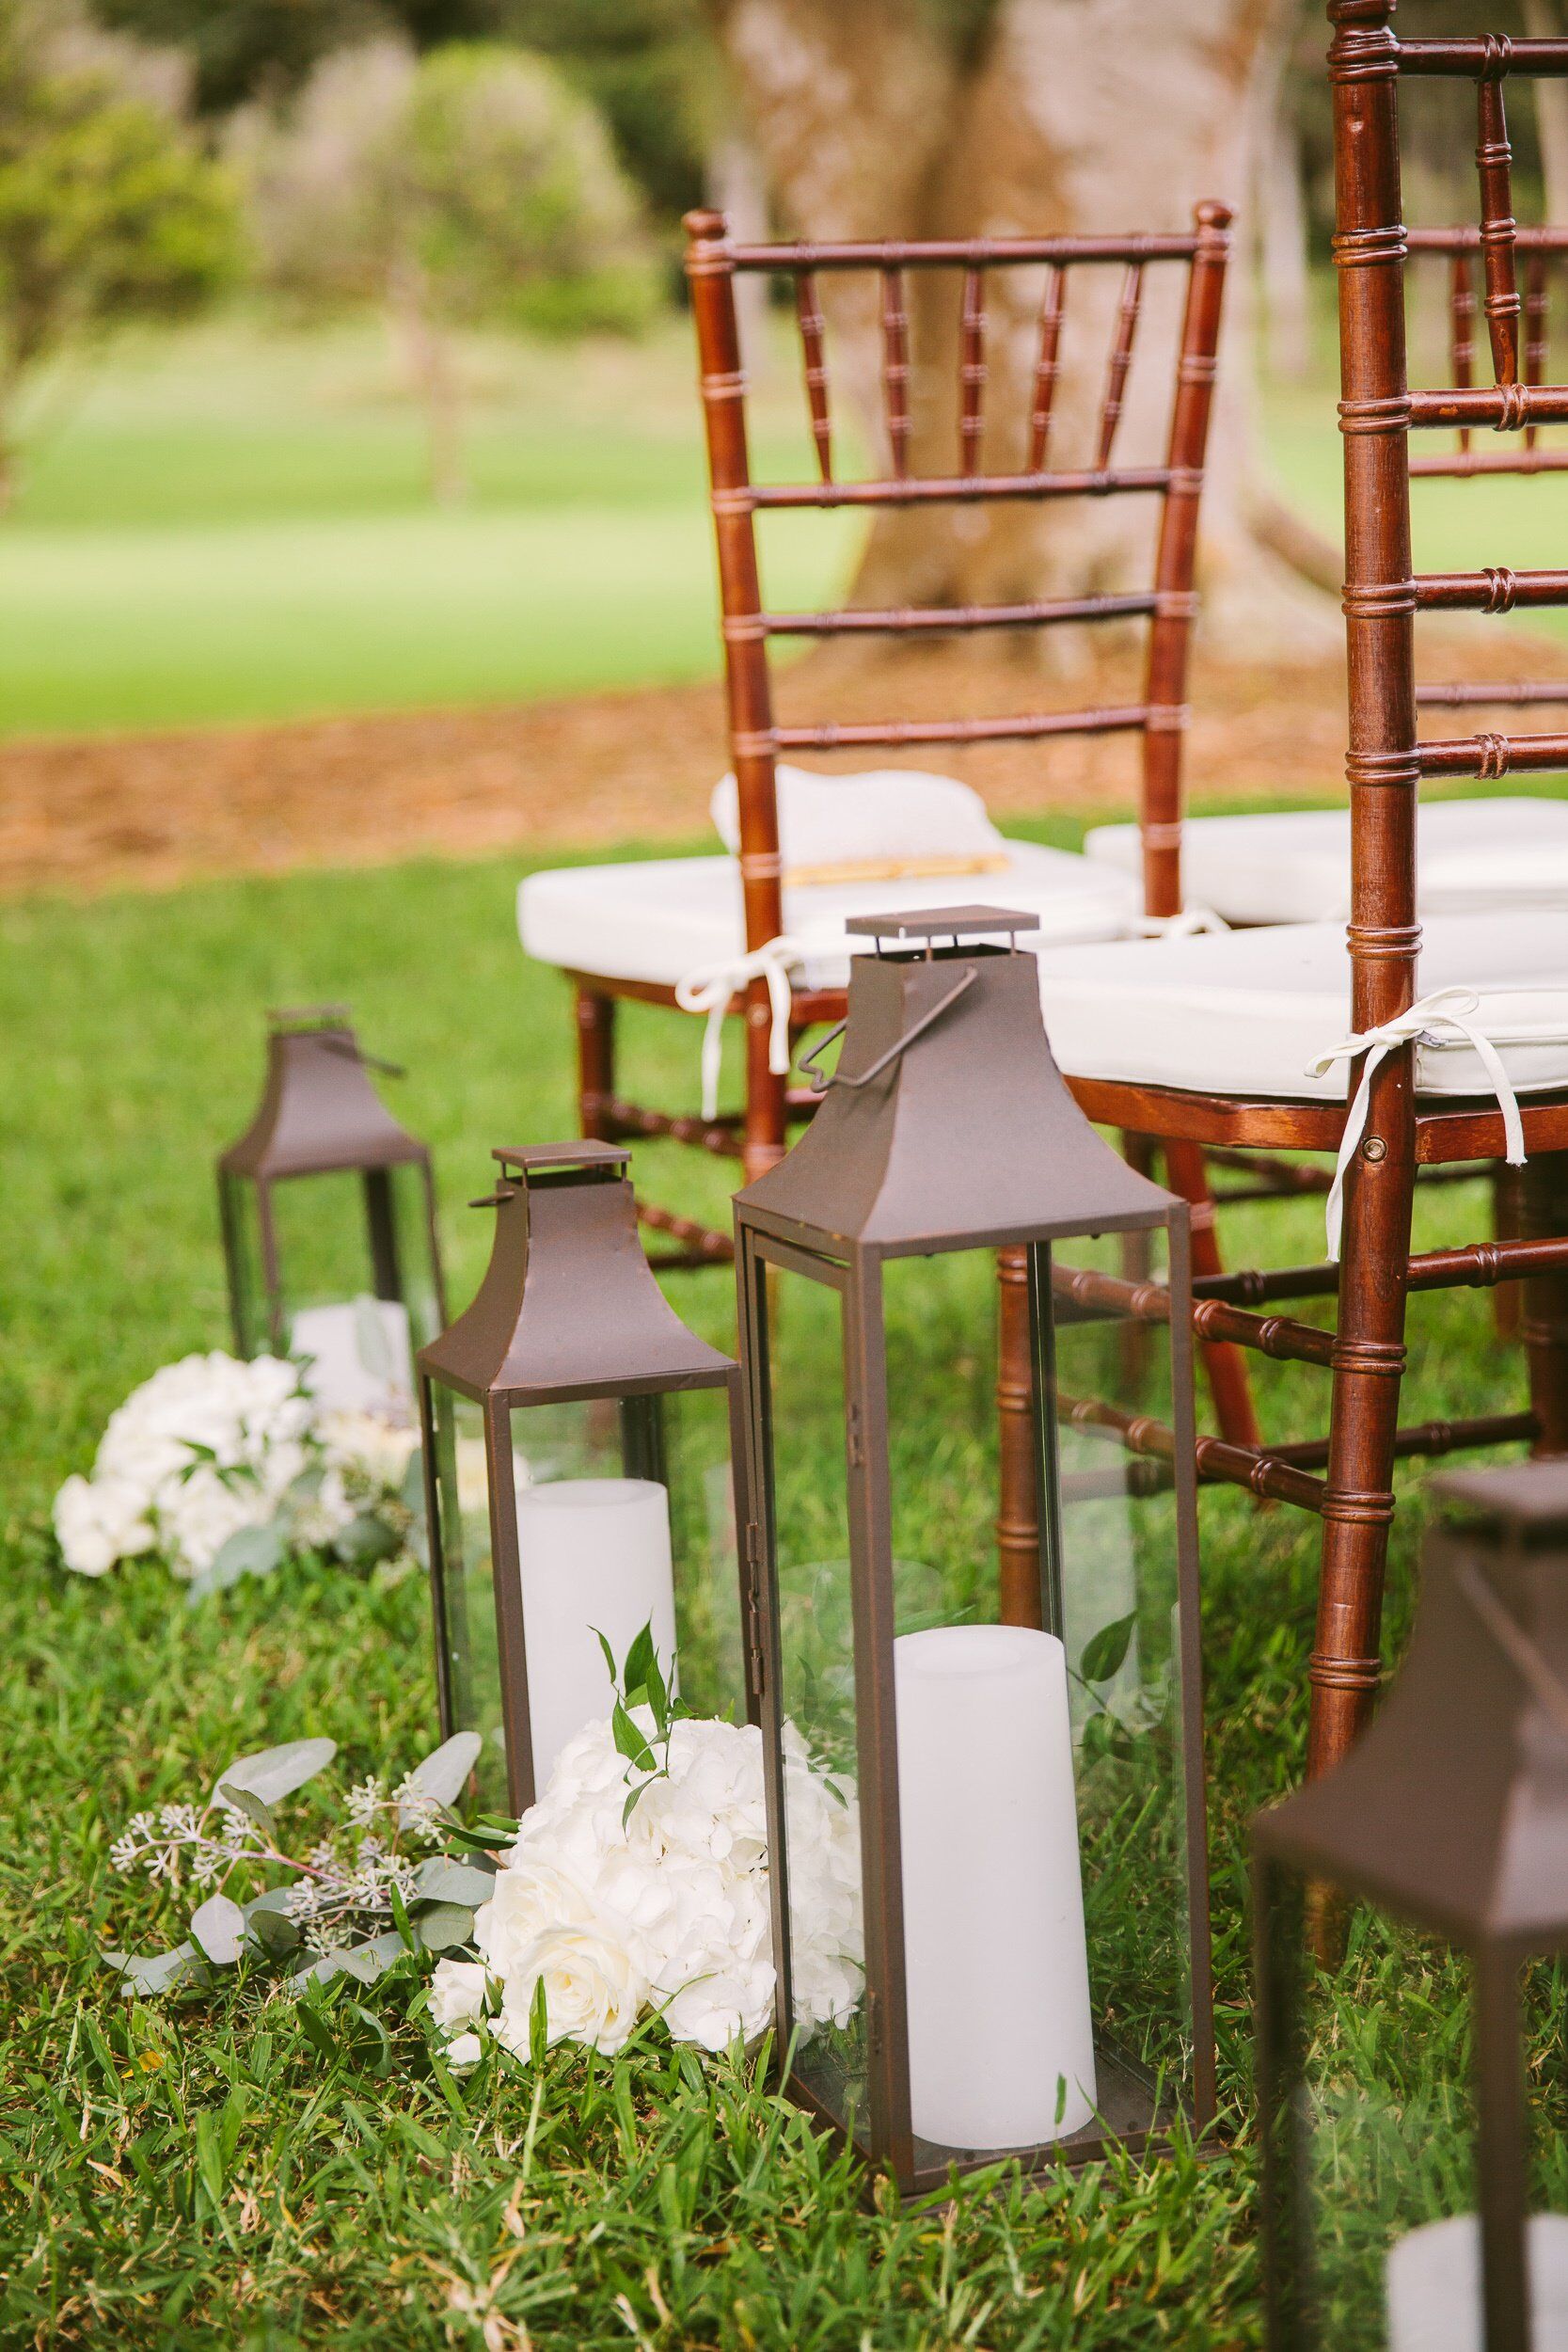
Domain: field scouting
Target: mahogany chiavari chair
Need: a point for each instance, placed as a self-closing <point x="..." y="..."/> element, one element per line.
<point x="1457" y="1044"/>
<point x="779" y="995"/>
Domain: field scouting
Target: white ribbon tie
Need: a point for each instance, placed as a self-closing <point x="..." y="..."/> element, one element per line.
<point x="1445" y="1009"/>
<point x="1187" y="925"/>
<point x="712" y="988"/>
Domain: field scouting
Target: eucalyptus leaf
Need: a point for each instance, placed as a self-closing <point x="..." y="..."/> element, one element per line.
<point x="365" y="1962"/>
<point x="155" y="1972"/>
<point x="273" y="1772"/>
<point x="250" y="1551"/>
<point x="366" y="1539"/>
<point x="218" y="1930"/>
<point x="411" y="1492"/>
<point x="444" y="1926"/>
<point x="1104" y="1651"/>
<point x="439" y="1880"/>
<point x="253" y="1808"/>
<point x="441" y="1777"/>
<point x="270" y="1923"/>
<point x="371" y="1342"/>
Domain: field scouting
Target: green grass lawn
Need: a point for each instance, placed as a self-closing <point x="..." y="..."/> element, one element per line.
<point x="228" y="523"/>
<point x="231" y="522"/>
<point x="196" y="2176"/>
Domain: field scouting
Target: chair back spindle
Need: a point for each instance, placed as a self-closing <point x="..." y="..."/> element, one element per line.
<point x="1169" y="605"/>
<point x="1046" y="365"/>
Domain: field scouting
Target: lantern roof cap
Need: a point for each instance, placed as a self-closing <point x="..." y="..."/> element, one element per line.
<point x="946" y="1124"/>
<point x="587" y="1154"/>
<point x="954" y="923"/>
<point x="1452" y="1807"/>
<point x="1528" y="1500"/>
<point x="319" y="1112"/>
<point x="568" y="1307"/>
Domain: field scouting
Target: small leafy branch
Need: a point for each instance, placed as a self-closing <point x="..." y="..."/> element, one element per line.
<point x="403" y="1875"/>
<point x="641" y="1682"/>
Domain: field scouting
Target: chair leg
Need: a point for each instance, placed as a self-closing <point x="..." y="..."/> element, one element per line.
<point x="1224" y="1362"/>
<point x="767" y="1113"/>
<point x="1358" y="1504"/>
<point x="1506" y="1214"/>
<point x="595" y="1017"/>
<point x="1543" y="1214"/>
<point x="1018" y="1529"/>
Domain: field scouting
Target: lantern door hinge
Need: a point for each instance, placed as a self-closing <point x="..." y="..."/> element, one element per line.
<point x="854" y="1442"/>
<point x="754" y="1612"/>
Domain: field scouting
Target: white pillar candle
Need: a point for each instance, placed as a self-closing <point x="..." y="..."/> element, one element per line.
<point x="1433" y="2281"/>
<point x="593" y="1553"/>
<point x="996" y="1963"/>
<point x="358" y="1355"/>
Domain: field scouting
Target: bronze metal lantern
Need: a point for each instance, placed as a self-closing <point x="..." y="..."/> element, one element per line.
<point x="1415" y="2101"/>
<point x="329" y="1214"/>
<point x="989" y="1865"/>
<point x="580" y="1448"/>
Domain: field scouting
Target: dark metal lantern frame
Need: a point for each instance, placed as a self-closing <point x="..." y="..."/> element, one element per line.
<point x="1461" y="1834"/>
<point x="320" y="1116"/>
<point x="569" y="1311"/>
<point x="947" y="1127"/>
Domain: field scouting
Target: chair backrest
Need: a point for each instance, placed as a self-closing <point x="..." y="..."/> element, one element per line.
<point x="756" y="738"/>
<point x="1544" y="253"/>
<point x="1379" y="410"/>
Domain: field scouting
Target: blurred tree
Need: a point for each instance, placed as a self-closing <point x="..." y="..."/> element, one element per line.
<point x="470" y="186"/>
<point x="108" y="210"/>
<point x="654" y="71"/>
<point x="245" y="49"/>
<point x="906" y="119"/>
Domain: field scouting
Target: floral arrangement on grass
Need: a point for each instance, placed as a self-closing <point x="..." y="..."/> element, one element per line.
<point x="638" y="1887"/>
<point x="223" y="1468"/>
<point x="402" y="1874"/>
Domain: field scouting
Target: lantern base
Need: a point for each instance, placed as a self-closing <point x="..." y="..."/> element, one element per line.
<point x="1131" y="2117"/>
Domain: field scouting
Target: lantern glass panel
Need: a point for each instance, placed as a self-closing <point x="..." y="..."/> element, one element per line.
<point x="357" y="1277"/>
<point x="589" y="1554"/>
<point x="240" y="1203"/>
<point x="1105" y="1783"/>
<point x="1112" y="1574"/>
<point x="816" y="1692"/>
<point x="1378" y="2137"/>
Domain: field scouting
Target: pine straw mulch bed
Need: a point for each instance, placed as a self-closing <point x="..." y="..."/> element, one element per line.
<point x="143" y="811"/>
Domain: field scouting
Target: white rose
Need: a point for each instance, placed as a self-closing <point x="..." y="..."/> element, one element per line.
<point x="466" y="2051"/>
<point x="98" y="1521"/>
<point x="533" y="1895"/>
<point x="594" y="1989"/>
<point x="370" y="1446"/>
<point x="712" y="1805"/>
<point x="457" y="1991"/>
<point x="714" y="1982"/>
<point x="196" y="1516"/>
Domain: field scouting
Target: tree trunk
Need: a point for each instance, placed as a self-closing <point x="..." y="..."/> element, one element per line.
<point x="1073" y="116"/>
<point x="1544" y="21"/>
<point x="737" y="188"/>
<point x="431" y="372"/>
<point x="1282" y="251"/>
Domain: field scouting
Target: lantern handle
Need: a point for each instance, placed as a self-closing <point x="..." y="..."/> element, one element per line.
<point x="1516" y="1646"/>
<point x="352" y="1050"/>
<point x="820" y="1083"/>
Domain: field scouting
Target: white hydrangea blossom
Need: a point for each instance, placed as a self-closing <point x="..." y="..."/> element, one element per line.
<point x="211" y="1445"/>
<point x="663" y="1911"/>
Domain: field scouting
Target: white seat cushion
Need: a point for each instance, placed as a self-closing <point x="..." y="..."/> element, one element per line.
<point x="1294" y="865"/>
<point x="660" y="920"/>
<point x="1244" y="1013"/>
